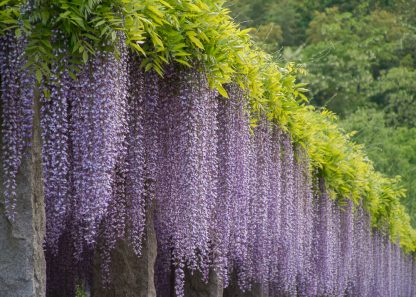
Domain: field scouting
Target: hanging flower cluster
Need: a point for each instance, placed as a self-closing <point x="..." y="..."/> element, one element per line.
<point x="94" y="164"/>
<point x="229" y="233"/>
<point x="230" y="198"/>
<point x="55" y="135"/>
<point x="17" y="87"/>
<point x="186" y="186"/>
<point x="84" y="131"/>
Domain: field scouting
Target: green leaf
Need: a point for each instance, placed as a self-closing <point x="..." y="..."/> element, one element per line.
<point x="138" y="48"/>
<point x="18" y="33"/>
<point x="85" y="57"/>
<point x="46" y="93"/>
<point x="221" y="90"/>
<point x="38" y="74"/>
<point x="183" y="62"/>
<point x="72" y="75"/>
<point x="194" y="40"/>
<point x="98" y="24"/>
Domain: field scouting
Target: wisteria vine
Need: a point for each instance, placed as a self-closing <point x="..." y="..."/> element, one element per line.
<point x="231" y="198"/>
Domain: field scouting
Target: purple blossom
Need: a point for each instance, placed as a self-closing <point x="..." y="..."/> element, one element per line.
<point x="17" y="95"/>
<point x="55" y="138"/>
<point x="228" y="197"/>
<point x="186" y="183"/>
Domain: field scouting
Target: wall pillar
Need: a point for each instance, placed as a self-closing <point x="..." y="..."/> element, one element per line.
<point x="130" y="276"/>
<point x="233" y="289"/>
<point x="22" y="260"/>
<point x="196" y="287"/>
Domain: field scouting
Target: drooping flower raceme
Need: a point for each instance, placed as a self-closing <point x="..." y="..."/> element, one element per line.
<point x="186" y="184"/>
<point x="97" y="122"/>
<point x="55" y="137"/>
<point x="17" y="87"/>
<point x="230" y="216"/>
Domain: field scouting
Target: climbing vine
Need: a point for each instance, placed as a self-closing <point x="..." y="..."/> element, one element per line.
<point x="162" y="32"/>
<point x="125" y="135"/>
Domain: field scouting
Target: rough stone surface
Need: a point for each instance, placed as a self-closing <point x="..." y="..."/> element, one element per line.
<point x="234" y="291"/>
<point x="131" y="276"/>
<point x="22" y="261"/>
<point x="196" y="287"/>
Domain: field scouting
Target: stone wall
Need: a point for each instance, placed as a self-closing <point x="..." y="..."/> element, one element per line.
<point x="234" y="291"/>
<point x="195" y="287"/>
<point x="22" y="261"/>
<point x="130" y="276"/>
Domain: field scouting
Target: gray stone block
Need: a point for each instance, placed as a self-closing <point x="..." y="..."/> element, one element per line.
<point x="130" y="276"/>
<point x="22" y="260"/>
<point x="196" y="287"/>
<point x="233" y="289"/>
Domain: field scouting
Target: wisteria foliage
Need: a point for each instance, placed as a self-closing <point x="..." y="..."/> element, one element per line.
<point x="231" y="198"/>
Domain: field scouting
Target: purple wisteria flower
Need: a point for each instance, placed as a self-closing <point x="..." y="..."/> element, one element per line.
<point x="229" y="197"/>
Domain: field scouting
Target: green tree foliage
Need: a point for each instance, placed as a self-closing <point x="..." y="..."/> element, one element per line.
<point x="286" y="16"/>
<point x="391" y="149"/>
<point x="396" y="89"/>
<point x="348" y="55"/>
